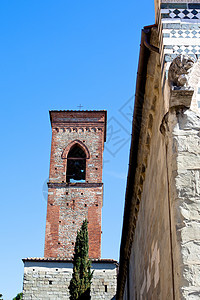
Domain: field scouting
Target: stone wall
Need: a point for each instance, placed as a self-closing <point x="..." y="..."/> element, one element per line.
<point x="182" y="127"/>
<point x="49" y="280"/>
<point x="70" y="203"/>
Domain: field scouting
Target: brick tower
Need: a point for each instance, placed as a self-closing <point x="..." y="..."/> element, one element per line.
<point x="75" y="188"/>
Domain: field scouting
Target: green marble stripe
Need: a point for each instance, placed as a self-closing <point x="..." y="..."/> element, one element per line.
<point x="174" y="5"/>
<point x="180" y="5"/>
<point x="194" y="5"/>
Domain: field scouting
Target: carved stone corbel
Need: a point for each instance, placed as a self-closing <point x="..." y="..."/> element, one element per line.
<point x="178" y="77"/>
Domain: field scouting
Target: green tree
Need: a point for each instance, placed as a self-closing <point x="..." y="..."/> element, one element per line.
<point x="18" y="297"/>
<point x="1" y="297"/>
<point x="82" y="275"/>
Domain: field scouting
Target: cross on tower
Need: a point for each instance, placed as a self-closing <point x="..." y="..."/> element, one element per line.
<point x="80" y="106"/>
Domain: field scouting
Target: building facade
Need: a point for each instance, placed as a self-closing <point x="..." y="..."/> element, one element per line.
<point x="160" y="246"/>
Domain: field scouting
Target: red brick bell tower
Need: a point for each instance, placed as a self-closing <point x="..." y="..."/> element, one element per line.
<point x="75" y="188"/>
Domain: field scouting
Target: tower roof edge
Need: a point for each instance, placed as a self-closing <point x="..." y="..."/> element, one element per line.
<point x="81" y="117"/>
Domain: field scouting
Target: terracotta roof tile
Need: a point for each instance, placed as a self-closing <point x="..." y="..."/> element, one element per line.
<point x="51" y="259"/>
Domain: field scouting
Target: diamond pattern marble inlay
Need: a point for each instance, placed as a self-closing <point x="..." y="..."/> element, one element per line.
<point x="180" y="13"/>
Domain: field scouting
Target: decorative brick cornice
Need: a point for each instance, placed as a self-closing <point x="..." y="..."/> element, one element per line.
<point x="68" y="127"/>
<point x="74" y="120"/>
<point x="55" y="185"/>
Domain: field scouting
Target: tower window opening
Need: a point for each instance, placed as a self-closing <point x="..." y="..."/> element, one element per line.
<point x="106" y="288"/>
<point x="76" y="164"/>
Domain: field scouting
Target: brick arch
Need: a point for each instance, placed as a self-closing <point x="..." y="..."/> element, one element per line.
<point x="70" y="145"/>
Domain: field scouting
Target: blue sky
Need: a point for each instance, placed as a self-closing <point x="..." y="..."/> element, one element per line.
<point x="57" y="55"/>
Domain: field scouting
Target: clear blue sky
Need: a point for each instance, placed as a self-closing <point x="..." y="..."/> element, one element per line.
<point x="57" y="55"/>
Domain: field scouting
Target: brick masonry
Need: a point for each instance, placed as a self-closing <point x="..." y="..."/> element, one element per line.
<point x="70" y="203"/>
<point x="49" y="280"/>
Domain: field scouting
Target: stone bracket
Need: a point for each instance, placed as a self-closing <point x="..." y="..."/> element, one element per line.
<point x="180" y="96"/>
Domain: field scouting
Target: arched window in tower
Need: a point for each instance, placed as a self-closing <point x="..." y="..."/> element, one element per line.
<point x="76" y="164"/>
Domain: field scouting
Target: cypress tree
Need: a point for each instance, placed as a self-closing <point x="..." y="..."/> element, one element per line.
<point x="18" y="297"/>
<point x="82" y="276"/>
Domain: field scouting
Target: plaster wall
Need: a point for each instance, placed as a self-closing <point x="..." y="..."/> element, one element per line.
<point x="150" y="263"/>
<point x="164" y="259"/>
